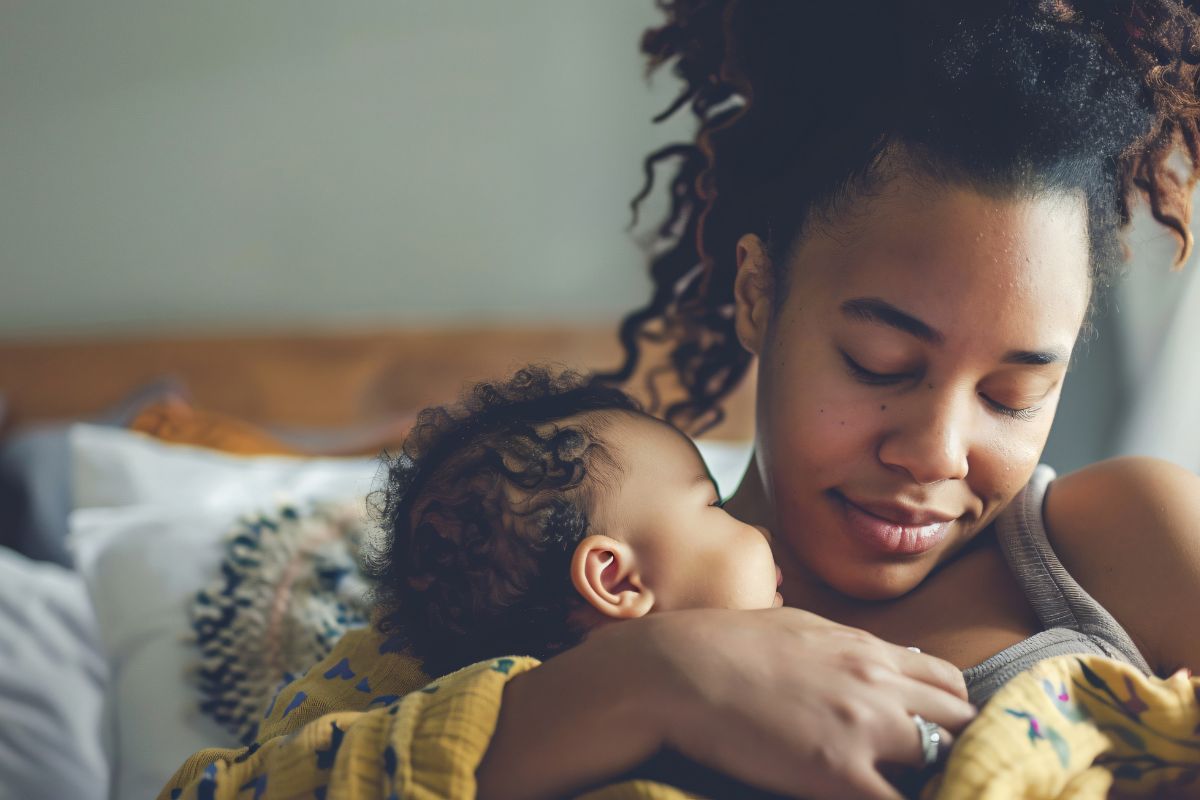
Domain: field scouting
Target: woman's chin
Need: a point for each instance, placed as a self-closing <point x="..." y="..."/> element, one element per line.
<point x="878" y="582"/>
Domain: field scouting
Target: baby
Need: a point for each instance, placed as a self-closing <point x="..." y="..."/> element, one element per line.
<point x="543" y="507"/>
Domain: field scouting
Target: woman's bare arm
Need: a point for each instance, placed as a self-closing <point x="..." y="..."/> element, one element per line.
<point x="780" y="699"/>
<point x="578" y="719"/>
<point x="1128" y="530"/>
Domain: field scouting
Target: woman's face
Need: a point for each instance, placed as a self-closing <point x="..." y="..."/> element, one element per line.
<point x="909" y="377"/>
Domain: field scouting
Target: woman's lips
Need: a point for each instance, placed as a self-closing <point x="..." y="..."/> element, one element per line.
<point x="925" y="531"/>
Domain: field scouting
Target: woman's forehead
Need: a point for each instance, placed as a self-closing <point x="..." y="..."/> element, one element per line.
<point x="955" y="254"/>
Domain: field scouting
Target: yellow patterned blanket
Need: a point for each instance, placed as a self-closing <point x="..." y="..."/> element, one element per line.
<point x="366" y="723"/>
<point x="1077" y="727"/>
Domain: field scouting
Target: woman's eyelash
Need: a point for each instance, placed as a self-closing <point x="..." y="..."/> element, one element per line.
<point x="1016" y="413"/>
<point x="865" y="375"/>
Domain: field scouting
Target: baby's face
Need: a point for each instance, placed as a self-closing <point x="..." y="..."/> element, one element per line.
<point x="690" y="552"/>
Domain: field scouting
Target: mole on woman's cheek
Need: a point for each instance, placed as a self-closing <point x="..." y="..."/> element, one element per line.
<point x="883" y="408"/>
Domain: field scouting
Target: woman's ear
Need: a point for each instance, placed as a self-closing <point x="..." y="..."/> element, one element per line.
<point x="605" y="574"/>
<point x="752" y="293"/>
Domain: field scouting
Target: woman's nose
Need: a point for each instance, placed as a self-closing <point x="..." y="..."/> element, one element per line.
<point x="930" y="441"/>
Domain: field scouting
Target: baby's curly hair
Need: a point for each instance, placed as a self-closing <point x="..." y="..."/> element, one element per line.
<point x="802" y="105"/>
<point x="481" y="513"/>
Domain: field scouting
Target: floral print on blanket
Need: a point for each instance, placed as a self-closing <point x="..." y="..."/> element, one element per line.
<point x="1080" y="727"/>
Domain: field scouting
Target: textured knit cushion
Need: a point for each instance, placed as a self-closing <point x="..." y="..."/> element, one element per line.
<point x="289" y="588"/>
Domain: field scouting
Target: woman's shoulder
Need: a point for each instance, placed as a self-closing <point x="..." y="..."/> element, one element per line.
<point x="1124" y="485"/>
<point x="1128" y="529"/>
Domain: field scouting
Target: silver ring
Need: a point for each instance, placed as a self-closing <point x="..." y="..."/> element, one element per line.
<point x="913" y="649"/>
<point x="931" y="738"/>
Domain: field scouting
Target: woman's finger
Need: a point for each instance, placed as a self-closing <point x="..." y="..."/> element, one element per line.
<point x="867" y="783"/>
<point x="933" y="704"/>
<point x="930" y="670"/>
<point x="908" y="743"/>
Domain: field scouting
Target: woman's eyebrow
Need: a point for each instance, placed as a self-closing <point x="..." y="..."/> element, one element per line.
<point x="881" y="312"/>
<point x="1034" y="358"/>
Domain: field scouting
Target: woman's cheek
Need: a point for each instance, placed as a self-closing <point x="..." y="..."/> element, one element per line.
<point x="822" y="437"/>
<point x="1002" y="463"/>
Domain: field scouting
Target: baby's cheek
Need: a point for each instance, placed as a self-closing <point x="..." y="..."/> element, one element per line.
<point x="753" y="577"/>
<point x="721" y="583"/>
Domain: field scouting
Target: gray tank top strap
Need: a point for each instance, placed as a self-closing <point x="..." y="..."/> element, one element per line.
<point x="1056" y="597"/>
<point x="1074" y="622"/>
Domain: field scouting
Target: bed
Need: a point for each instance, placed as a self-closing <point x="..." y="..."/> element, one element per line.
<point x="124" y="467"/>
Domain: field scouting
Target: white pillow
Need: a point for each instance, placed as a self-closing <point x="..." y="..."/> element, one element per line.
<point x="116" y="467"/>
<point x="141" y="584"/>
<point x="147" y="535"/>
<point x="51" y="685"/>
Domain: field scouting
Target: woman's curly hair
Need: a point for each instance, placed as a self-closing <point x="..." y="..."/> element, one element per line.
<point x="480" y="515"/>
<point x="800" y="105"/>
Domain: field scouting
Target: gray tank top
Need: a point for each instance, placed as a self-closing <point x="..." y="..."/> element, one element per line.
<point x="1074" y="622"/>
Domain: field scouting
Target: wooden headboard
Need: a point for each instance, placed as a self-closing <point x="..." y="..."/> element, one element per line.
<point x="310" y="379"/>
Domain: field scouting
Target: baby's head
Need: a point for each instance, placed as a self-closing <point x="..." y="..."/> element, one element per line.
<point x="542" y="507"/>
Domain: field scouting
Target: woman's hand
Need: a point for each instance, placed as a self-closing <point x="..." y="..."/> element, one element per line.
<point x="796" y="704"/>
<point x="780" y="699"/>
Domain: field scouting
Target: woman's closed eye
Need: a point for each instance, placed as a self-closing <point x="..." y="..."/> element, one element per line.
<point x="1016" y="413"/>
<point x="869" y="377"/>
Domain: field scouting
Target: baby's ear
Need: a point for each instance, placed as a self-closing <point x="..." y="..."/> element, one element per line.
<point x="605" y="574"/>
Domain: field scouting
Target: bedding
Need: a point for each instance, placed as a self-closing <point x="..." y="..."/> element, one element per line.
<point x="181" y="423"/>
<point x="146" y="536"/>
<point x="52" y="742"/>
<point x="35" y="489"/>
<point x="288" y="588"/>
<point x="106" y="679"/>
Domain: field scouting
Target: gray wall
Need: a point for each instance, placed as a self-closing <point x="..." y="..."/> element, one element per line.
<point x="272" y="164"/>
<point x="1124" y="362"/>
<point x="284" y="164"/>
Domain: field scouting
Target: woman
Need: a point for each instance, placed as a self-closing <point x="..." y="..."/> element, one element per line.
<point x="905" y="216"/>
<point x="904" y="213"/>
